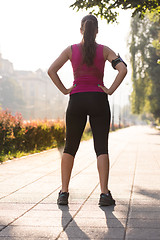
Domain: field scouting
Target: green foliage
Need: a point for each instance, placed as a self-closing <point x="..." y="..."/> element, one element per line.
<point x="156" y="44"/>
<point x="17" y="136"/>
<point x="107" y="9"/>
<point x="8" y="124"/>
<point x="154" y="14"/>
<point x="144" y="49"/>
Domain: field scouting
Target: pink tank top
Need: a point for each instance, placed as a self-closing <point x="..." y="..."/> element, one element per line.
<point x="86" y="77"/>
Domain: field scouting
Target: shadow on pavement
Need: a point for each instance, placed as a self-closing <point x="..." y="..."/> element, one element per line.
<point x="74" y="229"/>
<point x="154" y="194"/>
<point x="112" y="222"/>
<point x="7" y="231"/>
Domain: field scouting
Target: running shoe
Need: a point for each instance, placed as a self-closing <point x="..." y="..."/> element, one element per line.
<point x="63" y="198"/>
<point x="106" y="199"/>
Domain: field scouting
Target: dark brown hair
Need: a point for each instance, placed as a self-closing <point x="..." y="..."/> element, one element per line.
<point x="89" y="26"/>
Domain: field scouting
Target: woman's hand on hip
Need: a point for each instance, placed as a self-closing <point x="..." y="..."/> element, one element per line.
<point x="106" y="90"/>
<point x="67" y="91"/>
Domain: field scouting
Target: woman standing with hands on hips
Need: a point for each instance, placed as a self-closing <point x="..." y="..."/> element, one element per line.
<point x="88" y="96"/>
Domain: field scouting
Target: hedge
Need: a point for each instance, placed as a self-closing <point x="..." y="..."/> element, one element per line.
<point x="18" y="135"/>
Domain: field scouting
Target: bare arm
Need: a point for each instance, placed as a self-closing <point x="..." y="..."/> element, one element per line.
<point x="122" y="71"/>
<point x="55" y="66"/>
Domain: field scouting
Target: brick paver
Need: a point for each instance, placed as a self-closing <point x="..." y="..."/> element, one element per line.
<point x="29" y="187"/>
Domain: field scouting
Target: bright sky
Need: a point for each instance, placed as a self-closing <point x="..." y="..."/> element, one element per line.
<point x="34" y="32"/>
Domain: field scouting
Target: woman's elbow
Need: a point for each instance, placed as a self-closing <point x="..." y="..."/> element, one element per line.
<point x="50" y="71"/>
<point x="125" y="71"/>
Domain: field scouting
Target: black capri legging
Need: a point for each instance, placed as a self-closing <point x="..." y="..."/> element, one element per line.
<point x="96" y="106"/>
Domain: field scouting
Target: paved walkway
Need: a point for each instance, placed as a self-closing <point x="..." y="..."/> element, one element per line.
<point x="29" y="187"/>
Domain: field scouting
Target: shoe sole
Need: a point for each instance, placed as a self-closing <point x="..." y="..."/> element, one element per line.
<point x="62" y="203"/>
<point x="107" y="203"/>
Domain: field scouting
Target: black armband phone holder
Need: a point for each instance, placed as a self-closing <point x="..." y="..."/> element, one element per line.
<point x="117" y="60"/>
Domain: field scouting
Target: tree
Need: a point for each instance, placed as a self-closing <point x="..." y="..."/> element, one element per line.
<point x="107" y="9"/>
<point x="154" y="17"/>
<point x="145" y="97"/>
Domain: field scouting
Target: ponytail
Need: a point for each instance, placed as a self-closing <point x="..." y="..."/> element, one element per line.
<point x="89" y="25"/>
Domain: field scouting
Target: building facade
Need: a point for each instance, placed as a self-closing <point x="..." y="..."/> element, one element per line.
<point x="31" y="93"/>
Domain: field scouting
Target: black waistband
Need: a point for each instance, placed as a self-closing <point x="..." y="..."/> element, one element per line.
<point x="87" y="94"/>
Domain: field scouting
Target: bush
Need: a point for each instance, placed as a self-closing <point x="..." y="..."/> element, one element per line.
<point x="10" y="127"/>
<point x="17" y="135"/>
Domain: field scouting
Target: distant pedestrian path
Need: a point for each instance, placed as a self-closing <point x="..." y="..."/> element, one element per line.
<point x="29" y="187"/>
